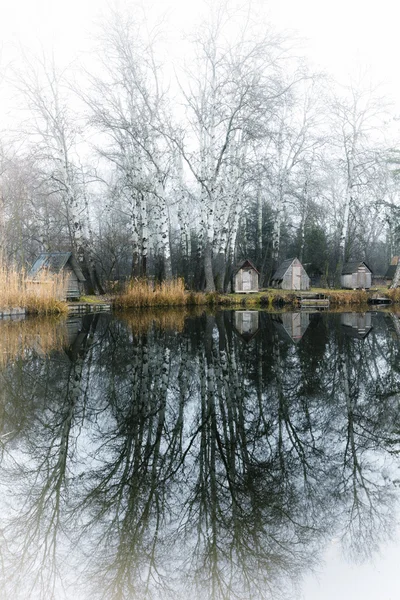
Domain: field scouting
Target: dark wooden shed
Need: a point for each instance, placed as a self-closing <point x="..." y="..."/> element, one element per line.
<point x="59" y="262"/>
<point x="391" y="270"/>
<point x="245" y="278"/>
<point x="356" y="275"/>
<point x="291" y="275"/>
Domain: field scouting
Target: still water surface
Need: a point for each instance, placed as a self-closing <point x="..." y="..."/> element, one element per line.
<point x="229" y="455"/>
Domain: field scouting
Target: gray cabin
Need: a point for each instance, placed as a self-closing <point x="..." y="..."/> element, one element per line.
<point x="391" y="270"/>
<point x="356" y="275"/>
<point x="245" y="278"/>
<point x="59" y="262"/>
<point x="291" y="275"/>
<point x="390" y="274"/>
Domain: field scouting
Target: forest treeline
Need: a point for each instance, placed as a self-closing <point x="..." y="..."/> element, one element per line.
<point x="150" y="161"/>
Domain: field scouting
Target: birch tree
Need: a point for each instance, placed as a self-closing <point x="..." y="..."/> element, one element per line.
<point x="357" y="120"/>
<point x="296" y="137"/>
<point x="127" y="104"/>
<point x="53" y="133"/>
<point x="229" y="87"/>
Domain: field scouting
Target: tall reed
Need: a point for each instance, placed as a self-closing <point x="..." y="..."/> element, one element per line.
<point x="143" y="293"/>
<point x="43" y="296"/>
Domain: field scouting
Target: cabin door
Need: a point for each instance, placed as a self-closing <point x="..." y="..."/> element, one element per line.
<point x="296" y="277"/>
<point x="362" y="279"/>
<point x="246" y="281"/>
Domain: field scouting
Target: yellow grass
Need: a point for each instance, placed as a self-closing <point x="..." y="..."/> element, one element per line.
<point x="142" y="293"/>
<point x="394" y="295"/>
<point x="43" y="296"/>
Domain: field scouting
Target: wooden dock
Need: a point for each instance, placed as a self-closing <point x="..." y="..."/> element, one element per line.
<point x="82" y="308"/>
<point x="12" y="313"/>
<point x="379" y="300"/>
<point x="312" y="300"/>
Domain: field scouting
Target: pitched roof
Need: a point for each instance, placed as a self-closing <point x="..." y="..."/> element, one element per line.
<point x="55" y="262"/>
<point x="245" y="265"/>
<point x="283" y="267"/>
<point x="352" y="267"/>
<point x="390" y="271"/>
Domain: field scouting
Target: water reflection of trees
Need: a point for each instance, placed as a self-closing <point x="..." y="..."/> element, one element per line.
<point x="188" y="463"/>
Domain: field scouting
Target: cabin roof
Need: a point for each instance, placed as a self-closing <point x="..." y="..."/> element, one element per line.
<point x="245" y="265"/>
<point x="283" y="267"/>
<point x="352" y="267"/>
<point x="55" y="262"/>
<point x="390" y="271"/>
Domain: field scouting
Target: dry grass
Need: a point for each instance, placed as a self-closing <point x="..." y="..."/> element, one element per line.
<point x="347" y="297"/>
<point x="142" y="293"/>
<point x="394" y="295"/>
<point x="41" y="297"/>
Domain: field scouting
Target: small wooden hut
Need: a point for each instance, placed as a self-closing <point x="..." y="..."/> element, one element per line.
<point x="391" y="270"/>
<point x="59" y="262"/>
<point x="291" y="275"/>
<point x="356" y="275"/>
<point x="246" y="324"/>
<point x="245" y="278"/>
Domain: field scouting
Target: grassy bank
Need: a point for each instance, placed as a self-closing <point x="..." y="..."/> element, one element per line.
<point x="141" y="294"/>
<point x="42" y="297"/>
<point x="274" y="298"/>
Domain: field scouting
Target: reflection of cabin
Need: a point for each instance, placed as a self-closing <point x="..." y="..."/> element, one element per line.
<point x="291" y="276"/>
<point x="356" y="275"/>
<point x="55" y="263"/>
<point x="245" y="279"/>
<point x="246" y="324"/>
<point x="356" y="325"/>
<point x="292" y="325"/>
<point x="391" y="270"/>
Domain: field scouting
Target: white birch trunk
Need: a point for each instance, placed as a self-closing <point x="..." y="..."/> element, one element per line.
<point x="276" y="232"/>
<point x="164" y="236"/>
<point x="259" y="228"/>
<point x="145" y="234"/>
<point x="134" y="235"/>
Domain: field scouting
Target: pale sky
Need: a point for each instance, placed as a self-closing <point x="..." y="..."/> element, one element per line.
<point x="343" y="37"/>
<point x="340" y="33"/>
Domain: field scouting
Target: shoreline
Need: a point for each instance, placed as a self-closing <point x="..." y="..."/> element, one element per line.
<point x="268" y="298"/>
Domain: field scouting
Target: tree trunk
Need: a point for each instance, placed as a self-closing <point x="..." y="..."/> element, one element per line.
<point x="259" y="247"/>
<point x="276" y="233"/>
<point x="145" y="234"/>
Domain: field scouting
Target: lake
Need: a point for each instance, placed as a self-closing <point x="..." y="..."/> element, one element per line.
<point x="203" y="455"/>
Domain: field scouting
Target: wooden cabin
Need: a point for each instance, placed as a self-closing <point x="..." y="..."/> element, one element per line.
<point x="291" y="275"/>
<point x="390" y="274"/>
<point x="55" y="263"/>
<point x="356" y="275"/>
<point x="391" y="271"/>
<point x="245" y="278"/>
<point x="246" y="324"/>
